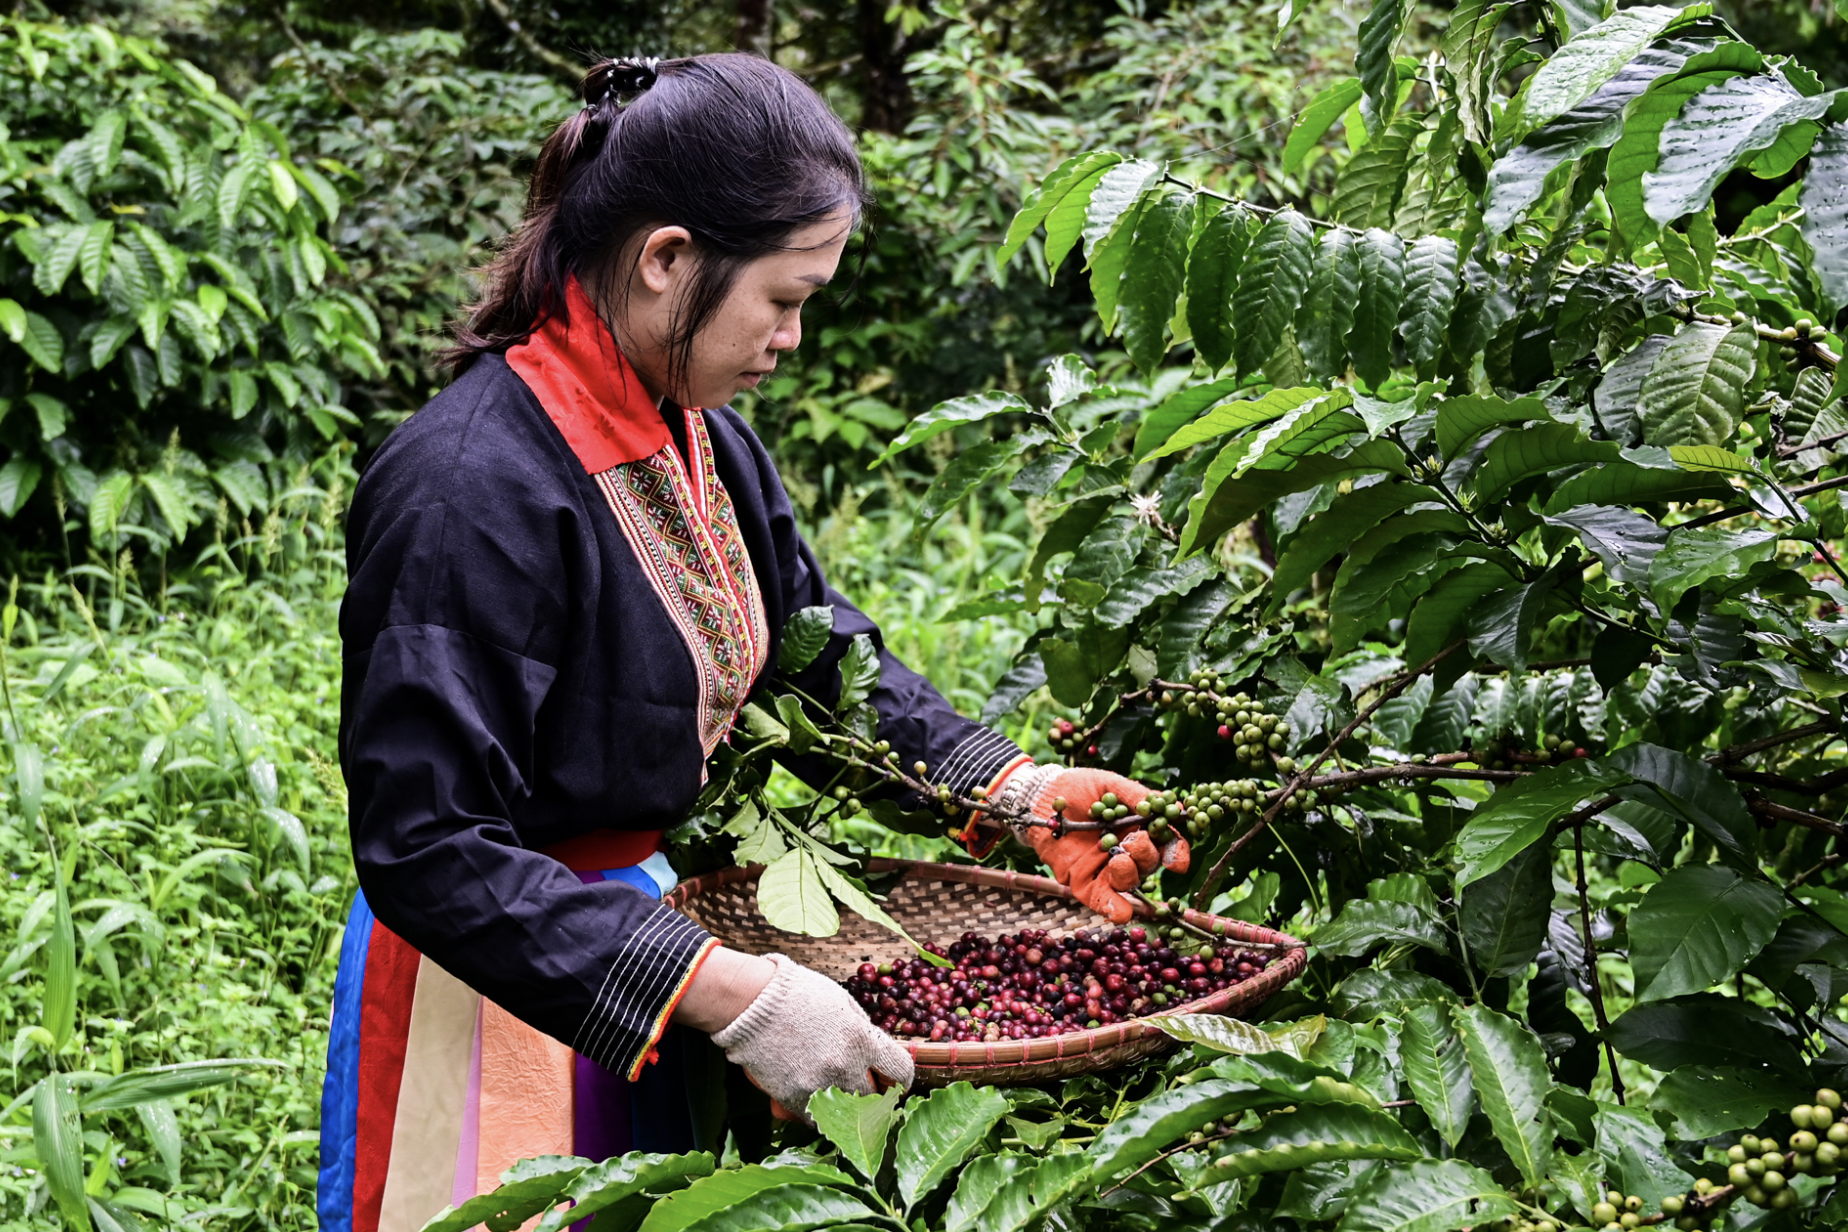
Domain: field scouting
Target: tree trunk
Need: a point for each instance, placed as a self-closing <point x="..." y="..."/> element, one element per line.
<point x="754" y="26"/>
<point x="887" y="93"/>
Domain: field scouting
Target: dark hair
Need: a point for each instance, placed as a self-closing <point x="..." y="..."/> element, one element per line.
<point x="735" y="149"/>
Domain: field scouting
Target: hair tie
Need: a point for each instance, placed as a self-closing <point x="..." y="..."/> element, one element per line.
<point x="619" y="81"/>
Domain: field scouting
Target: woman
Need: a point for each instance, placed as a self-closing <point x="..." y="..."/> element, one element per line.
<point x="564" y="584"/>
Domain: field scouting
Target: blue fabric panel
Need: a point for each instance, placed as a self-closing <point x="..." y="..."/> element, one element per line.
<point x="340" y="1092"/>
<point x="636" y="877"/>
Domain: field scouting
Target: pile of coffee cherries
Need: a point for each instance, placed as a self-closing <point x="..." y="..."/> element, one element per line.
<point x="1030" y="985"/>
<point x="1762" y="1167"/>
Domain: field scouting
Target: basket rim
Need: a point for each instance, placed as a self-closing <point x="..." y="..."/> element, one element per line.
<point x="1028" y="1053"/>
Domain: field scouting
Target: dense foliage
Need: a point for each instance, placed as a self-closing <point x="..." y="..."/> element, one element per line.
<point x="1510" y="480"/>
<point x="171" y="334"/>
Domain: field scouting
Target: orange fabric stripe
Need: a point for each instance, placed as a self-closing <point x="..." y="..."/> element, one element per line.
<point x="601" y="849"/>
<point x="527" y="1080"/>
<point x="655" y="1032"/>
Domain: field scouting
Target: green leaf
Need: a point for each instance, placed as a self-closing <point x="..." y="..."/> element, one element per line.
<point x="1824" y="198"/>
<point x="1691" y="557"/>
<point x="791" y="896"/>
<point x="1160" y="424"/>
<point x="859" y="672"/>
<point x="947" y="415"/>
<point x="1507" y="1066"/>
<point x="43" y="344"/>
<point x="1706" y="1102"/>
<point x="1117" y="191"/>
<point x="1212" y="276"/>
<point x="1514" y="456"/>
<point x="13" y="320"/>
<point x="1518" y="814"/>
<point x="805" y="635"/>
<point x="1636" y="1150"/>
<point x="1270" y="286"/>
<point x="1316" y="119"/>
<point x="939" y="1131"/>
<point x="858" y="1125"/>
<point x="615" y="1180"/>
<point x="1228" y="1035"/>
<point x="1330" y="532"/>
<point x="1071" y="181"/>
<point x="1326" y="317"/>
<point x="1431" y="1052"/>
<point x="1237" y="416"/>
<point x="1426" y="1196"/>
<point x="1068" y="671"/>
<point x="1626" y="542"/>
<point x="1635" y="153"/>
<point x="1153" y="278"/>
<point x="968" y="470"/>
<point x="1461" y="420"/>
<point x="163" y="1082"/>
<point x="1149" y="1126"/>
<point x="1503" y="917"/>
<point x="1518" y="178"/>
<point x="706" y="1204"/>
<point x="1707" y="1030"/>
<point x="1577" y="70"/>
<point x="1697" y="926"/>
<point x="18" y="479"/>
<point x="1109" y="257"/>
<point x="1318" y="1134"/>
<point x="1430" y="297"/>
<point x="173" y="501"/>
<point x="978" y="1188"/>
<point x="1714" y="131"/>
<point x="1367" y="192"/>
<point x="1364" y="924"/>
<point x="1502" y="626"/>
<point x="57" y="1141"/>
<point x="1382" y="287"/>
<point x="1625" y="483"/>
<point x="59" y="1016"/>
<point x="1437" y="619"/>
<point x="1379" y="38"/>
<point x="1139" y="589"/>
<point x="1232" y="501"/>
<point x="1691" y="789"/>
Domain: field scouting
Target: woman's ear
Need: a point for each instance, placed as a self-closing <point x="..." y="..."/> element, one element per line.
<point x="665" y="254"/>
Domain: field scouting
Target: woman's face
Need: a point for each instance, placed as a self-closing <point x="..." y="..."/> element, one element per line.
<point x="760" y="317"/>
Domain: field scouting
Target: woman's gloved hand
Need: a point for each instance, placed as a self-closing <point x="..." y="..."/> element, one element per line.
<point x="803" y="1034"/>
<point x="1097" y="876"/>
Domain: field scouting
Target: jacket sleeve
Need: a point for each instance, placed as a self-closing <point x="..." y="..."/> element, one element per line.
<point x="453" y="631"/>
<point x="921" y="725"/>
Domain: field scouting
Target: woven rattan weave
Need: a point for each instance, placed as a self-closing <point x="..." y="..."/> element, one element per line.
<point x="940" y="902"/>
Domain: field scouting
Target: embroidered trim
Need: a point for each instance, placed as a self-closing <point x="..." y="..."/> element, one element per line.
<point x="680" y="523"/>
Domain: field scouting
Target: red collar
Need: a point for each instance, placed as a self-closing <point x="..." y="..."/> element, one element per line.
<point x="588" y="388"/>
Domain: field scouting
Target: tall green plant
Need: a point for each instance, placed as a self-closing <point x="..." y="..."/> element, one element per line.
<point x="170" y="329"/>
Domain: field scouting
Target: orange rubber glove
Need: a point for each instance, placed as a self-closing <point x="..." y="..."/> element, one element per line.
<point x="1096" y="876"/>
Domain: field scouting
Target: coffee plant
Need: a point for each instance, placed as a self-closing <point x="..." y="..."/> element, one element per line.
<point x="173" y="346"/>
<point x="1458" y="557"/>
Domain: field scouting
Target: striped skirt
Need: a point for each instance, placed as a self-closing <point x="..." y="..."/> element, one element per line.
<point x="433" y="1090"/>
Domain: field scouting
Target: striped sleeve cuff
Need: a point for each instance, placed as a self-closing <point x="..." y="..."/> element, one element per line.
<point x="978" y="761"/>
<point x="652" y="971"/>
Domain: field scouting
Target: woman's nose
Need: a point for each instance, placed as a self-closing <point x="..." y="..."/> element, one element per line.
<point x="788" y="335"/>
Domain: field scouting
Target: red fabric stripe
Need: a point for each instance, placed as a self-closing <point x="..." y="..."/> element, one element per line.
<point x="601" y="849"/>
<point x="384" y="1029"/>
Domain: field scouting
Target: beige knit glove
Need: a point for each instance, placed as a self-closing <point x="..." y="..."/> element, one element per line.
<point x="803" y="1034"/>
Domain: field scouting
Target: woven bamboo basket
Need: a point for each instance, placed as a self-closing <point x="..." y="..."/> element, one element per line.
<point x="940" y="902"/>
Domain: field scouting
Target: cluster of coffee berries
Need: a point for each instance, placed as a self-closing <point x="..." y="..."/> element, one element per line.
<point x="1030" y="985"/>
<point x="1618" y="1211"/>
<point x="1761" y="1168"/>
<point x="1502" y="752"/>
<point x="1106" y="808"/>
<point x="1520" y="1223"/>
<point x="1256" y="735"/>
<point x="1065" y="738"/>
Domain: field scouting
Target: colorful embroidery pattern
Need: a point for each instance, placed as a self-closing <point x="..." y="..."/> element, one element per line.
<point x="680" y="523"/>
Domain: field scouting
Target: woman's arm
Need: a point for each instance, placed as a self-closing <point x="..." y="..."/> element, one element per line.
<point x="723" y="988"/>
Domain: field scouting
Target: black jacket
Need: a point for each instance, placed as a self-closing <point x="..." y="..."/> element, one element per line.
<point x="511" y="680"/>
